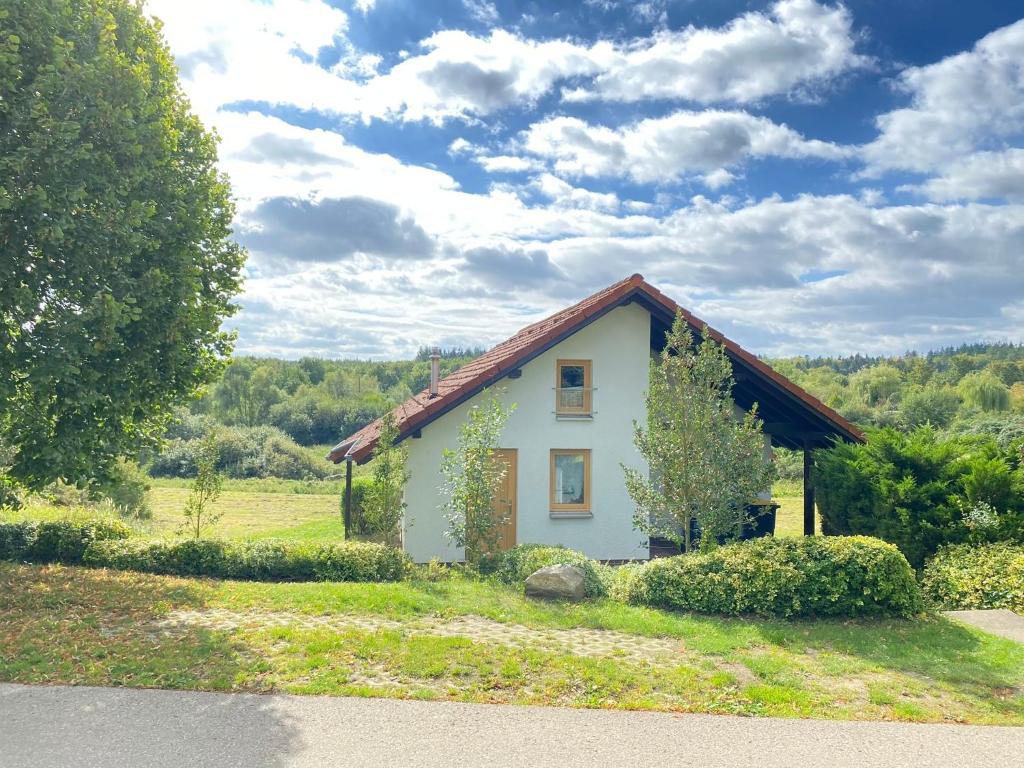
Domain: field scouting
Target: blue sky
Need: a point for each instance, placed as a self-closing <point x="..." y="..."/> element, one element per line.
<point x="809" y="177"/>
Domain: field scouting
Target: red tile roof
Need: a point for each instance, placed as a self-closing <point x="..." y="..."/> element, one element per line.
<point x="420" y="409"/>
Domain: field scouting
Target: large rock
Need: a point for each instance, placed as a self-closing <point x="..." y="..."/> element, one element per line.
<point x="556" y="582"/>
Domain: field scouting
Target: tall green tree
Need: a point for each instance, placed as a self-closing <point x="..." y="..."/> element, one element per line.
<point x="116" y="266"/>
<point x="471" y="478"/>
<point x="384" y="504"/>
<point x="705" y="463"/>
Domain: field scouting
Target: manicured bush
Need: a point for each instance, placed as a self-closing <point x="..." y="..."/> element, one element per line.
<point x="814" y="576"/>
<point x="967" y="577"/>
<point x="253" y="560"/>
<point x="57" y="541"/>
<point x="514" y="565"/>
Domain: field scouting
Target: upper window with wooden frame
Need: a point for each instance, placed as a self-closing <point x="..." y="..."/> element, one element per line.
<point x="570" y="480"/>
<point x="573" y="388"/>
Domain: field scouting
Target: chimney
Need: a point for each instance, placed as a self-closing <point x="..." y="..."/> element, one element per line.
<point x="435" y="370"/>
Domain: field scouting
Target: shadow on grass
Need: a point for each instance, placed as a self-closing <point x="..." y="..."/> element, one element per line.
<point x="88" y="627"/>
<point x="927" y="648"/>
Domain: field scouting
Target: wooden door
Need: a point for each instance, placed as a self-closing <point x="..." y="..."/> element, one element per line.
<point x="505" y="499"/>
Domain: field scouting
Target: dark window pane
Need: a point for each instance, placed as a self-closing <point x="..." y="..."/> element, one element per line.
<point x="572" y="376"/>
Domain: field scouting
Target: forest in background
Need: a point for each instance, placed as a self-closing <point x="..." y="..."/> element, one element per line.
<point x="264" y="410"/>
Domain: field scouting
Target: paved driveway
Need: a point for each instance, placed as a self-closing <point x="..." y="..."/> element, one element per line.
<point x="101" y="727"/>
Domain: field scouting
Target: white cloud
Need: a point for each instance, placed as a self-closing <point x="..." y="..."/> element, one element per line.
<point x="461" y="75"/>
<point x="666" y="148"/>
<point x="980" y="175"/>
<point x="508" y="163"/>
<point x="795" y="46"/>
<point x="482" y="11"/>
<point x="237" y="50"/>
<point x="564" y="194"/>
<point x="964" y="103"/>
<point x="266" y="51"/>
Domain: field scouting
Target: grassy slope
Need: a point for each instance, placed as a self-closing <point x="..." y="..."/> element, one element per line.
<point x="97" y="627"/>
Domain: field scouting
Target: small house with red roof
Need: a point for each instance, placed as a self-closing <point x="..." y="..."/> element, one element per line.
<point x="578" y="380"/>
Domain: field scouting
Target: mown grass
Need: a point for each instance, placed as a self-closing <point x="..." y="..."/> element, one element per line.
<point x="789" y="520"/>
<point x="246" y="513"/>
<point x="97" y="627"/>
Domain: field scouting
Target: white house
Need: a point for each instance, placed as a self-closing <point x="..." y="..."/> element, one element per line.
<point x="578" y="380"/>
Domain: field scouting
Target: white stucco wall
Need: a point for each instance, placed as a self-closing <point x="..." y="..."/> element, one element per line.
<point x="618" y="344"/>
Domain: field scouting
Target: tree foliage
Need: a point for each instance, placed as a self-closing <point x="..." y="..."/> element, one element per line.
<point x="384" y="505"/>
<point x="471" y="478"/>
<point x="705" y="463"/>
<point x="116" y="266"/>
<point x="920" y="492"/>
<point x="199" y="514"/>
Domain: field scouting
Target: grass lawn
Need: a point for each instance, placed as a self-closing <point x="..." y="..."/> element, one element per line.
<point x="251" y="509"/>
<point x="467" y="640"/>
<point x="789" y="520"/>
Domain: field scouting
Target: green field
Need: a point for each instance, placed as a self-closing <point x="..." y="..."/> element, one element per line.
<point x="250" y="509"/>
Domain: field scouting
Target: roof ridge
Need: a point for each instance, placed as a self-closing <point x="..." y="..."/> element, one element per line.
<point x="482" y="371"/>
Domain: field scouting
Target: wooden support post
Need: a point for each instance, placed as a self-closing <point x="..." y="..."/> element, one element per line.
<point x="808" y="490"/>
<point x="348" y="498"/>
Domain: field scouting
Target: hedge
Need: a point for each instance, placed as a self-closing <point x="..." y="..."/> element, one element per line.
<point x="515" y="564"/>
<point x="58" y="541"/>
<point x="813" y="576"/>
<point x="253" y="560"/>
<point x="966" y="577"/>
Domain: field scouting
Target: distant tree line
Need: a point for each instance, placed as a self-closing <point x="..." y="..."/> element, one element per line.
<point x="972" y="389"/>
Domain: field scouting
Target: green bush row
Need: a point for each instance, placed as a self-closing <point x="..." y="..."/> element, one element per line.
<point x="253" y="560"/>
<point x="244" y="452"/>
<point x="59" y="541"/>
<point x="969" y="577"/>
<point x="514" y="565"/>
<point x="105" y="543"/>
<point x="814" y="576"/>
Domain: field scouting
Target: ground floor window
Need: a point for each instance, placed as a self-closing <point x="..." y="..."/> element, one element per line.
<point x="570" y="480"/>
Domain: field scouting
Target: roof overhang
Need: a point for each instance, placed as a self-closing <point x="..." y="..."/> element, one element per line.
<point x="793" y="417"/>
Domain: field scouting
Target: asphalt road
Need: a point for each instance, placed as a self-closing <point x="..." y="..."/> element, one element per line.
<point x="101" y="727"/>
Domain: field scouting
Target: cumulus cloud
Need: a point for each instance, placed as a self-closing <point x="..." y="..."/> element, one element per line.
<point x="260" y="51"/>
<point x="667" y="148"/>
<point x="795" y="46"/>
<point x="980" y="175"/>
<point x="267" y="51"/>
<point x="969" y="102"/>
<point x="334" y="229"/>
<point x="509" y="268"/>
<point x="461" y="75"/>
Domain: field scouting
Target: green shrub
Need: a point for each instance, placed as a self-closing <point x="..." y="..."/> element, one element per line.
<point x="253" y="560"/>
<point x="57" y="541"/>
<point x="913" y="489"/>
<point x="814" y="576"/>
<point x="127" y="490"/>
<point x="514" y="565"/>
<point x="967" y="577"/>
<point x="243" y="452"/>
<point x="360" y="487"/>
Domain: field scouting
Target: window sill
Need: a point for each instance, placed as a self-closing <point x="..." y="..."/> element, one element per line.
<point x="568" y="515"/>
<point x="574" y="416"/>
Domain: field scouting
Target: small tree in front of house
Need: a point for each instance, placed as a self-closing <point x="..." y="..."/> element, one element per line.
<point x="199" y="512"/>
<point x="384" y="505"/>
<point x="705" y="463"/>
<point x="472" y="477"/>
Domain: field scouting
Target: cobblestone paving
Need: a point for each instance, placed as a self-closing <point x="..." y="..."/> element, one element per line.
<point x="579" y="641"/>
